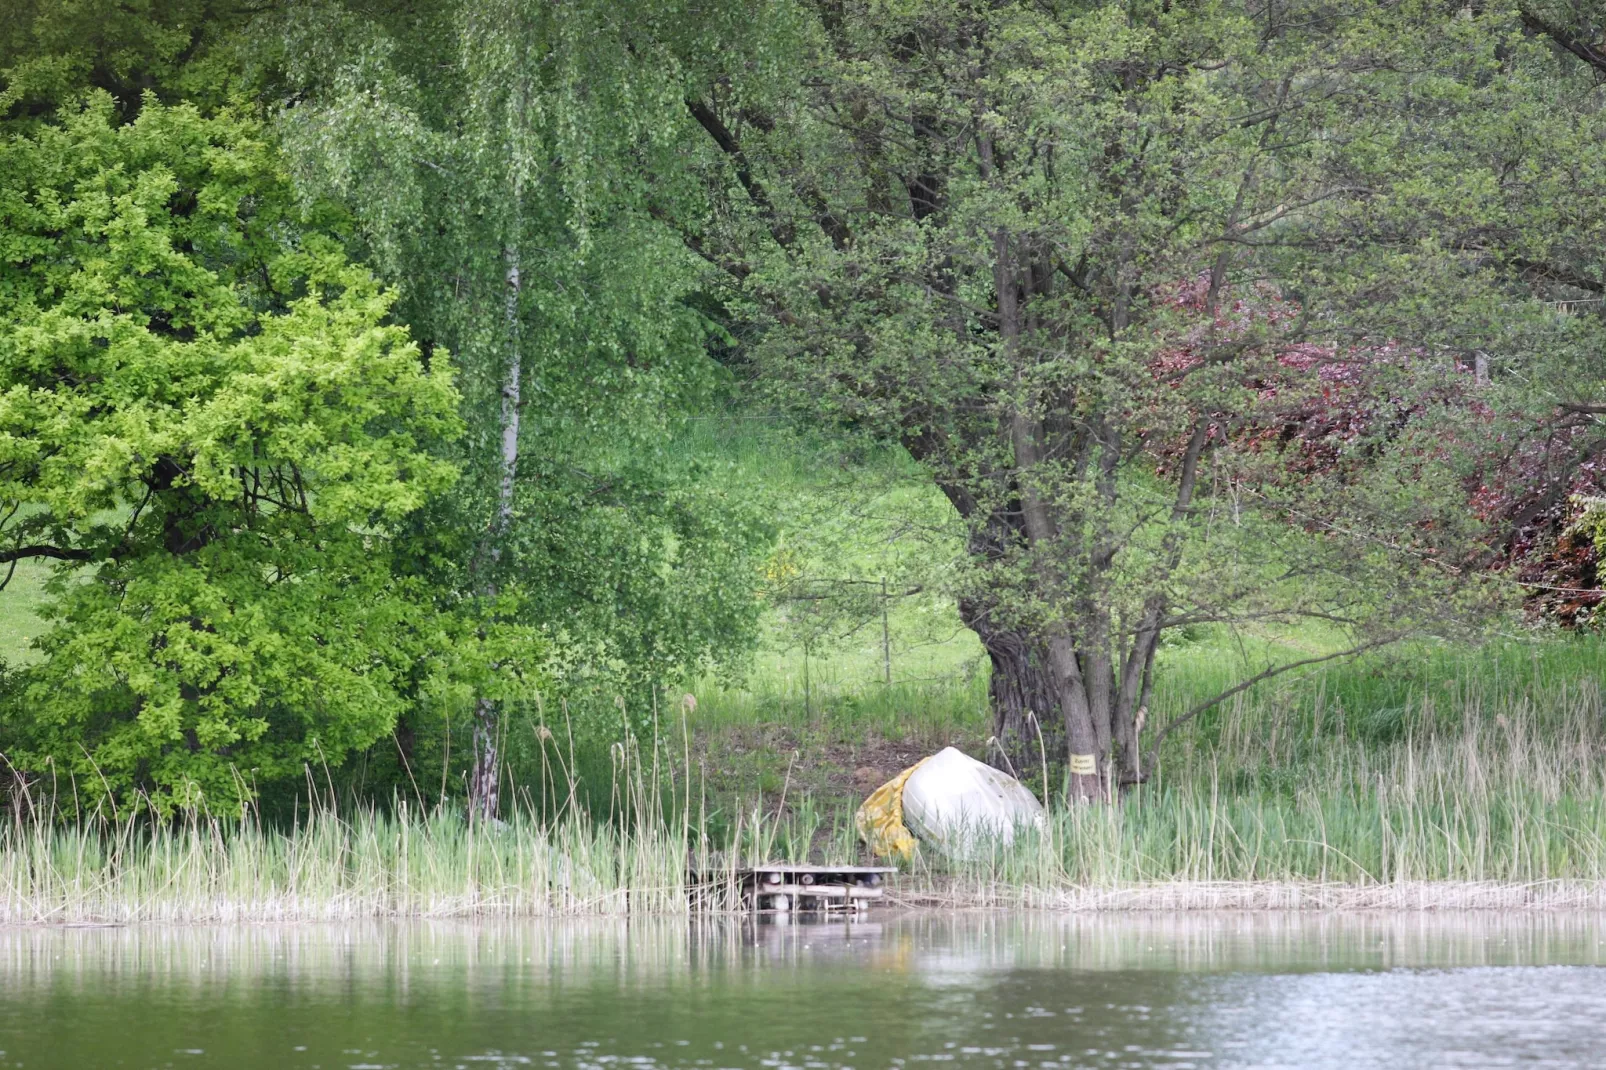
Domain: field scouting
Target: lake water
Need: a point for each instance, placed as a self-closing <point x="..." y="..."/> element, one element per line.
<point x="912" y="991"/>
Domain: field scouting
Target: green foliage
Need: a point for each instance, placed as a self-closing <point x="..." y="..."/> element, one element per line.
<point x="1027" y="249"/>
<point x="51" y="51"/>
<point x="207" y="420"/>
<point x="1005" y="237"/>
<point x="1591" y="522"/>
<point x="647" y="575"/>
<point x="467" y="140"/>
<point x="1045" y="247"/>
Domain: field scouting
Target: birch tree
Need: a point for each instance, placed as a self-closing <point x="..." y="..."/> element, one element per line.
<point x="507" y="162"/>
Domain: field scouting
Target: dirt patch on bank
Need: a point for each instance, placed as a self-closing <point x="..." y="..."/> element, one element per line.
<point x="776" y="762"/>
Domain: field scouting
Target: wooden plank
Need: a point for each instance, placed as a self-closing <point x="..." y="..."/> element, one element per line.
<point x="782" y="867"/>
<point x="822" y="891"/>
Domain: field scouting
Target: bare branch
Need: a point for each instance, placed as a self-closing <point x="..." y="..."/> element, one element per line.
<point x="1275" y="670"/>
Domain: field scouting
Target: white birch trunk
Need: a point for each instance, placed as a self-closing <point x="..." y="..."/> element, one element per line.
<point x="484" y="787"/>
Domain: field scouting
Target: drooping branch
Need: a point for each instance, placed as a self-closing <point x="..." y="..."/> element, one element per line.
<point x="735" y="268"/>
<point x="825" y="217"/>
<point x="1245" y="685"/>
<point x="1558" y="273"/>
<point x="779" y="228"/>
<point x="1591" y="54"/>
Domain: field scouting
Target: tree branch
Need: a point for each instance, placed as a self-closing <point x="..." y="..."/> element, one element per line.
<point x="834" y="226"/>
<point x="779" y="229"/>
<point x="1590" y="54"/>
<point x="1275" y="670"/>
<point x="54" y="553"/>
<point x="1558" y="273"/>
<point x="737" y="269"/>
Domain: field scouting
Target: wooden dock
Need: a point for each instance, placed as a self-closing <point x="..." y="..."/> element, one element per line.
<point x="785" y="888"/>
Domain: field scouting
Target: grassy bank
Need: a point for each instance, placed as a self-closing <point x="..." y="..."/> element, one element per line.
<point x="1428" y="775"/>
<point x="1486" y="791"/>
<point x="1514" y="794"/>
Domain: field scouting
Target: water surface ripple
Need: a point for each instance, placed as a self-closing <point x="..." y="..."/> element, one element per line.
<point x="914" y="991"/>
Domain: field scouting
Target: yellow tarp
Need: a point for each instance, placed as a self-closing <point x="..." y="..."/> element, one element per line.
<point x="880" y="819"/>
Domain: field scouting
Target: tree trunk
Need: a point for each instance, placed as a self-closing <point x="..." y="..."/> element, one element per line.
<point x="1129" y="698"/>
<point x="1085" y="768"/>
<point x="1024" y="434"/>
<point x="483" y="779"/>
<point x="484" y="788"/>
<point x="1027" y="725"/>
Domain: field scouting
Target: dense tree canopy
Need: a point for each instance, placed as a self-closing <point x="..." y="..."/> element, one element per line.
<point x="505" y="161"/>
<point x="205" y="418"/>
<point x="1044" y="247"/>
<point x="343" y="345"/>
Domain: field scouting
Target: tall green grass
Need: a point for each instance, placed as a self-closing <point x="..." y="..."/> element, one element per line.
<point x="1474" y="772"/>
<point x="331" y="867"/>
<point x="654" y="850"/>
<point x="1463" y="767"/>
<point x="1433" y="774"/>
<point x="1487" y="789"/>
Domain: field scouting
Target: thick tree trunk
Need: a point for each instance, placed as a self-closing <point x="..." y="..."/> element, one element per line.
<point x="1024" y="434"/>
<point x="1085" y="766"/>
<point x="1027" y="725"/>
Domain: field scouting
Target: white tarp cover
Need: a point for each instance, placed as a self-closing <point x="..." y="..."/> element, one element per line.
<point x="962" y="808"/>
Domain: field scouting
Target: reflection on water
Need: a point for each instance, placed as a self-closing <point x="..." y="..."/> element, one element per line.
<point x="999" y="991"/>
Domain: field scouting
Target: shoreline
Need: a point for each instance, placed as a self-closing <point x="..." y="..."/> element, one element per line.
<point x="1181" y="898"/>
<point x="1560" y="894"/>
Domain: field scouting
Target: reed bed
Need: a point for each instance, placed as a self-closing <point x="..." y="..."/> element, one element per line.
<point x="1479" y="798"/>
<point x="648" y="856"/>
<point x="333" y="867"/>
<point x="1472" y="794"/>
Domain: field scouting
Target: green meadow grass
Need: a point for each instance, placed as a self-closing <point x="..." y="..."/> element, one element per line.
<point x="849" y="516"/>
<point x="1429" y="774"/>
<point x="19" y="620"/>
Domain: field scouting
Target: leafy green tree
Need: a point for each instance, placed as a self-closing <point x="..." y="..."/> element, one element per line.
<point x="507" y="162"/>
<point x="52" y="51"/>
<point x="1088" y="263"/>
<point x="1576" y="26"/>
<point x="1531" y="212"/>
<point x="1480" y="237"/>
<point x="210" y="425"/>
